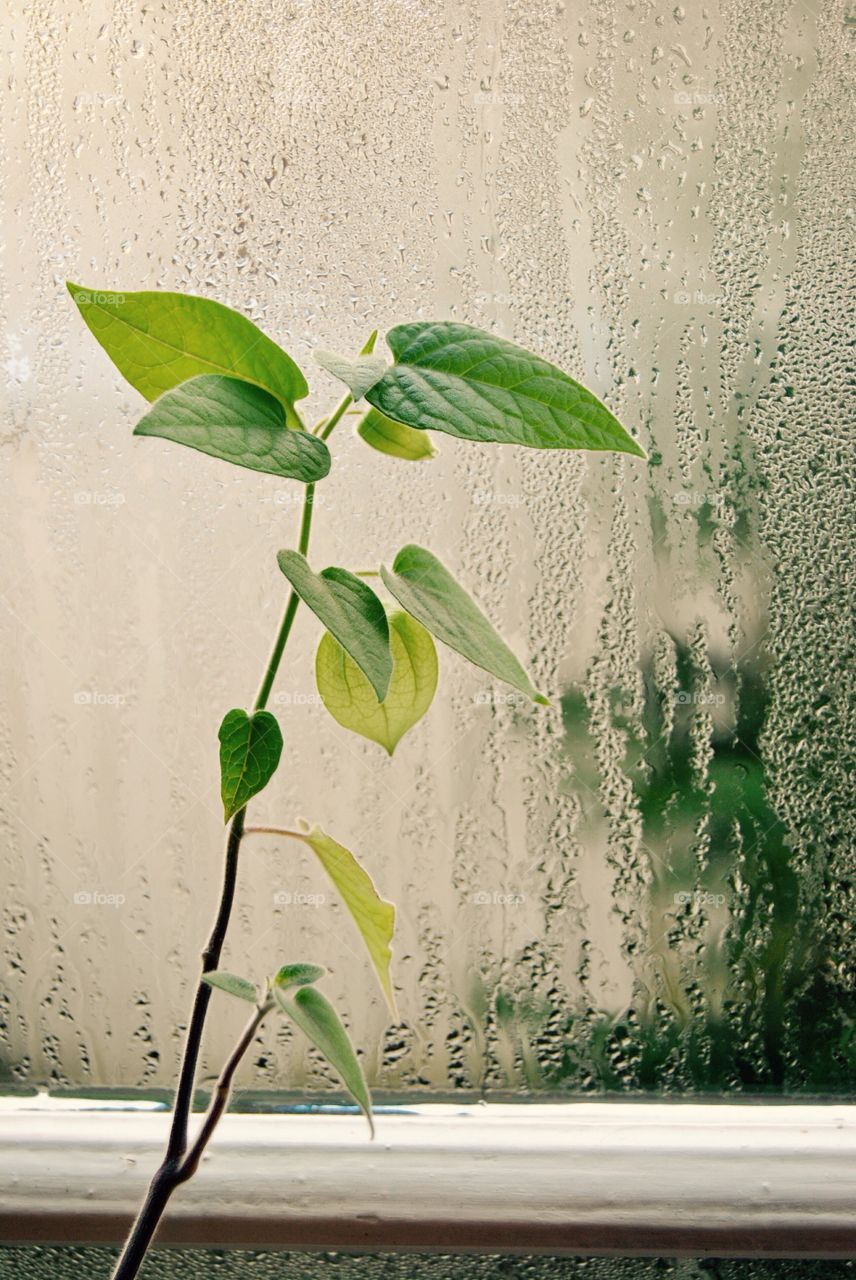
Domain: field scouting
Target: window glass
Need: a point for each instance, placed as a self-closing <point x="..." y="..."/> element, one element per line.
<point x="647" y="886"/>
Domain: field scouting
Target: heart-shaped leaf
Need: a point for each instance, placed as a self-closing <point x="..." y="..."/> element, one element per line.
<point x="358" y="373"/>
<point x="232" y="984"/>
<point x="250" y="748"/>
<point x="352" y="702"/>
<point x="320" y="1023"/>
<point x="425" y="588"/>
<point x="374" y="917"/>
<point x="159" y="339"/>
<point x="471" y="384"/>
<point x="238" y="422"/>
<point x="394" y="438"/>
<point x="298" y="975"/>
<point x="350" y="610"/>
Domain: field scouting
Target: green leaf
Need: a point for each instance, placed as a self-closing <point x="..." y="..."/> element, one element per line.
<point x="320" y="1023"/>
<point x="350" y="610"/>
<point x="232" y="984"/>
<point x="298" y="975"/>
<point x="158" y="339"/>
<point x="352" y="702"/>
<point x="374" y="917"/>
<point x="250" y="747"/>
<point x="238" y="422"/>
<point x="358" y="374"/>
<point x="394" y="438"/>
<point x="454" y="378"/>
<point x="425" y="588"/>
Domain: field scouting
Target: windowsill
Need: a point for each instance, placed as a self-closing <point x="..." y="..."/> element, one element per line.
<point x="619" y="1178"/>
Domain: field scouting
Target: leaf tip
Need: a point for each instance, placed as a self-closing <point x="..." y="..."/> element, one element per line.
<point x="541" y="700"/>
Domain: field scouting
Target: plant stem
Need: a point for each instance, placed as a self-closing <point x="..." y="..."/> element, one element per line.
<point x="290" y="608"/>
<point x="342" y="407"/>
<point x="175" y="1168"/>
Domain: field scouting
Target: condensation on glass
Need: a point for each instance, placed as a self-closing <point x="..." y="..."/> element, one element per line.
<point x="647" y="886"/>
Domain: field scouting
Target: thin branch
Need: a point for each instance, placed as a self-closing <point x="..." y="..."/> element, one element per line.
<point x="275" y="831"/>
<point x="220" y="1097"/>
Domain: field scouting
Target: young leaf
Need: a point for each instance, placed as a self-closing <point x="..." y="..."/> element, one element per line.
<point x="374" y="917"/>
<point x="454" y="378"/>
<point x="238" y="422"/>
<point x="250" y="747"/>
<point x="232" y="984"/>
<point x="350" y="610"/>
<point x="350" y="699"/>
<point x="394" y="438"/>
<point x="298" y="975"/>
<point x="158" y="339"/>
<point x="426" y="589"/>
<point x="358" y="374"/>
<point x="320" y="1023"/>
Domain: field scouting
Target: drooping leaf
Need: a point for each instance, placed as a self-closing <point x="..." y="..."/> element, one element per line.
<point x="468" y="383"/>
<point x="425" y="588"/>
<point x="232" y="984"/>
<point x="358" y="373"/>
<point x="352" y="702"/>
<point x="158" y="339"/>
<point x="394" y="438"/>
<point x="374" y="917"/>
<point x="250" y="747"/>
<point x="298" y="975"/>
<point x="350" y="610"/>
<point x="238" y="422"/>
<point x="320" y="1023"/>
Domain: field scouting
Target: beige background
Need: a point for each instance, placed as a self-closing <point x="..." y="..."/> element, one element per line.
<point x="652" y="195"/>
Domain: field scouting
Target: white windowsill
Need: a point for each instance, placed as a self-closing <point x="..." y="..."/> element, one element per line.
<point x="622" y="1178"/>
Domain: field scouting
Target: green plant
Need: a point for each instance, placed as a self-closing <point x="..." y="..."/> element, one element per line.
<point x="219" y="385"/>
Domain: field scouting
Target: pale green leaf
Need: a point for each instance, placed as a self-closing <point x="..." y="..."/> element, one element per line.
<point x="320" y="1023"/>
<point x="250" y="748"/>
<point x="358" y="373"/>
<point x="352" y="702"/>
<point x="298" y="975"/>
<point x="394" y="438"/>
<point x="458" y="379"/>
<point x="425" y="588"/>
<point x="232" y="984"/>
<point x="158" y="339"/>
<point x="350" y="610"/>
<point x="238" y="422"/>
<point x="374" y="917"/>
